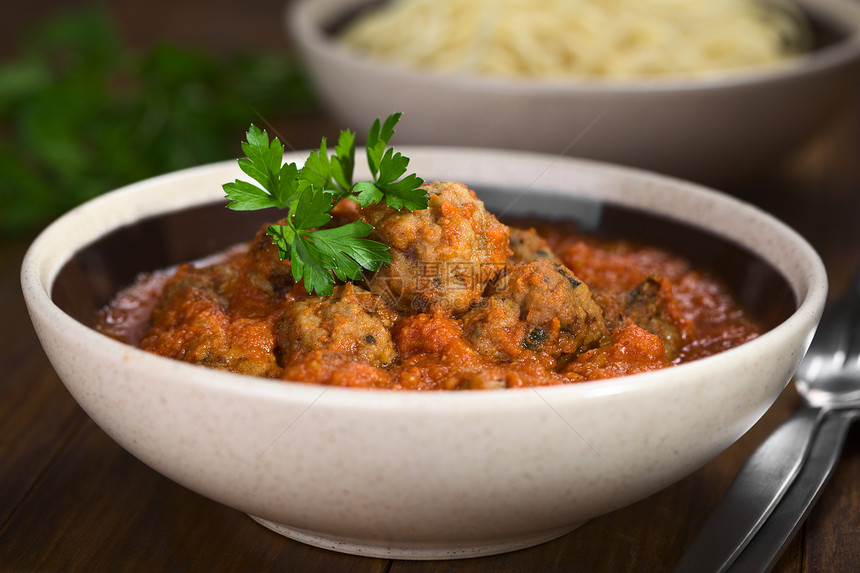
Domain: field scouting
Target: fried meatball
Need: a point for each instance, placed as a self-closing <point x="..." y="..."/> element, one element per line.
<point x="441" y="257"/>
<point x="631" y="350"/>
<point x="322" y="367"/>
<point x="526" y="245"/>
<point x="350" y="322"/>
<point x="191" y="323"/>
<point x="649" y="306"/>
<point x="538" y="306"/>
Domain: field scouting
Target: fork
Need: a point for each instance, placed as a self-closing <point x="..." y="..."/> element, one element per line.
<point x="828" y="380"/>
<point x="768" y="545"/>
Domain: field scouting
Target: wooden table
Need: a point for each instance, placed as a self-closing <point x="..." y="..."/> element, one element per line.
<point x="72" y="500"/>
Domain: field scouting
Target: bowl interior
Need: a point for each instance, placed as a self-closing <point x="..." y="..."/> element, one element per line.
<point x="98" y="271"/>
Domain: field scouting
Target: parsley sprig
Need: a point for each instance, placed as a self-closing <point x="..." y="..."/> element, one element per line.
<point x="319" y="254"/>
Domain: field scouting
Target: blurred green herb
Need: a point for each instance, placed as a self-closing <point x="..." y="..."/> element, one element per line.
<point x="81" y="114"/>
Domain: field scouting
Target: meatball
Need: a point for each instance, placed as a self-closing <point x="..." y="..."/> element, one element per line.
<point x="631" y="350"/>
<point x="526" y="245"/>
<point x="538" y="306"/>
<point x="649" y="305"/>
<point x="206" y="282"/>
<point x="322" y="367"/>
<point x="191" y="323"/>
<point x="441" y="257"/>
<point x="349" y="322"/>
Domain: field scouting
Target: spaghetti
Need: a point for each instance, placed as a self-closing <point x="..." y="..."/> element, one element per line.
<point x="581" y="38"/>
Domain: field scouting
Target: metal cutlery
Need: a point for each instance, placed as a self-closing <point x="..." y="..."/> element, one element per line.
<point x="768" y="545"/>
<point x="828" y="380"/>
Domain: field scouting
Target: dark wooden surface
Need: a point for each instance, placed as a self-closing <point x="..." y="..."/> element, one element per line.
<point x="73" y="500"/>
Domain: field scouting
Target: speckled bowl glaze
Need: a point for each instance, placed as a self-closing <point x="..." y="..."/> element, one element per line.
<point x="423" y="475"/>
<point x="721" y="130"/>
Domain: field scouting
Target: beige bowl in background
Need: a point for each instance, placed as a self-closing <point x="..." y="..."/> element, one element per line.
<point x="719" y="131"/>
<point x="419" y="475"/>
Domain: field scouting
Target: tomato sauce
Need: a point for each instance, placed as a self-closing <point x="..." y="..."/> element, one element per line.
<point x="244" y="314"/>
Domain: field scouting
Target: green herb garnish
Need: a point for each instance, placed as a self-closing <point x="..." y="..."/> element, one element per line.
<point x="82" y="113"/>
<point x="318" y="253"/>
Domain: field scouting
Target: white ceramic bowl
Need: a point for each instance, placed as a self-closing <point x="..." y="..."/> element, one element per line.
<point x="411" y="474"/>
<point x="720" y="131"/>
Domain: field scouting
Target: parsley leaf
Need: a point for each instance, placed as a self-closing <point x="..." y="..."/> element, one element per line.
<point x="344" y="162"/>
<point x="312" y="209"/>
<point x="377" y="140"/>
<point x="280" y="183"/>
<point x="387" y="167"/>
<point x="402" y="194"/>
<point x="282" y="237"/>
<point x="320" y="254"/>
<point x="317" y="168"/>
<point x="309" y="263"/>
<point x="346" y="246"/>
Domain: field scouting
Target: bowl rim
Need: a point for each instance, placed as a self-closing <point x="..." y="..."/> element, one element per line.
<point x="308" y="35"/>
<point x="40" y="269"/>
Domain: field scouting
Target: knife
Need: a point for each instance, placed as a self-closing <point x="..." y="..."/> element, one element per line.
<point x="753" y="495"/>
<point x="768" y="545"/>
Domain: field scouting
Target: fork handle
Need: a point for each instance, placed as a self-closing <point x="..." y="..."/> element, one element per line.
<point x="777" y="532"/>
<point x="759" y="485"/>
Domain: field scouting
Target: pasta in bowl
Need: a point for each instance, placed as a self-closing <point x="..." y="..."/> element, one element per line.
<point x="581" y="39"/>
<point x="721" y="128"/>
<point x="412" y="474"/>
